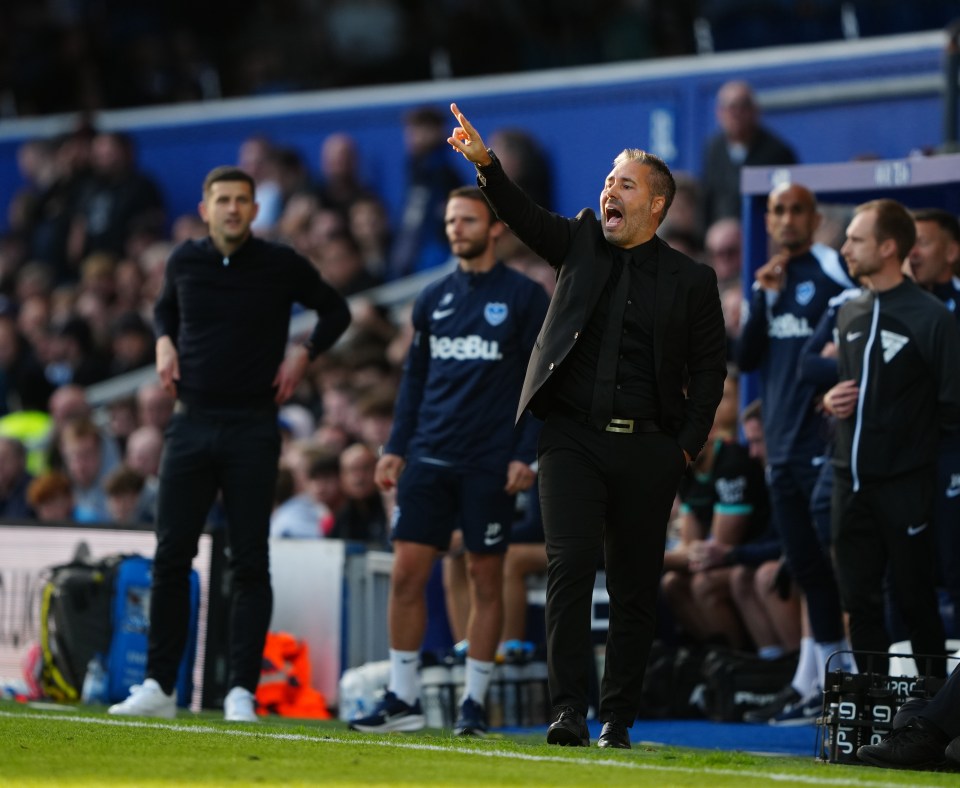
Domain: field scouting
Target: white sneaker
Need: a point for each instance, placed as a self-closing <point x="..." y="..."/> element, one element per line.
<point x="147" y="700"/>
<point x="239" y="706"/>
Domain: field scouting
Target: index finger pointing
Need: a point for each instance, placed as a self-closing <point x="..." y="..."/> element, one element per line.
<point x="462" y="120"/>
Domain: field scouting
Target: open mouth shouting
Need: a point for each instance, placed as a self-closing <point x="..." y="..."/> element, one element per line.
<point x="612" y="215"/>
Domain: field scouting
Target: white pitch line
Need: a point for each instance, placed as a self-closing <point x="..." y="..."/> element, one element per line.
<point x="402" y="745"/>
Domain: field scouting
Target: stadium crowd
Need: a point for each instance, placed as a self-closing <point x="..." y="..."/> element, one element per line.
<point x="85" y="57"/>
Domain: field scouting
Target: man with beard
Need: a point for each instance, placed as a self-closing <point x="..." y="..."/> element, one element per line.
<point x="462" y="460"/>
<point x="628" y="371"/>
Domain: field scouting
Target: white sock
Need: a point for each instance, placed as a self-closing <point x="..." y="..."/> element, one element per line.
<point x="842" y="662"/>
<point x="805" y="676"/>
<point x="405" y="675"/>
<point x="478" y="680"/>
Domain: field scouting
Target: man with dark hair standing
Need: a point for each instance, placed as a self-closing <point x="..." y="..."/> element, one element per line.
<point x="454" y="455"/>
<point x="899" y="371"/>
<point x="222" y="320"/>
<point x="630" y="323"/>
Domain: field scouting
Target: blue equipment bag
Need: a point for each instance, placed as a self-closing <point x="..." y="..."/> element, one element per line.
<point x="130" y="617"/>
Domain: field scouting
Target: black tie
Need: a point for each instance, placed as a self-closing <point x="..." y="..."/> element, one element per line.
<point x="601" y="411"/>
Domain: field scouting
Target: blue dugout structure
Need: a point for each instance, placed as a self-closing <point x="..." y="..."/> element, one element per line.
<point x="832" y="102"/>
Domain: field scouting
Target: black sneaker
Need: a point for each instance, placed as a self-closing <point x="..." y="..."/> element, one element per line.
<point x="788" y="696"/>
<point x="569" y="729"/>
<point x="391" y="715"/>
<point x="803" y="712"/>
<point x="472" y="720"/>
<point x="918" y="745"/>
<point x="953" y="752"/>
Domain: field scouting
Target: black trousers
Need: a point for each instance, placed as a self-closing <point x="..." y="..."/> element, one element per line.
<point x="792" y="487"/>
<point x="206" y="451"/>
<point x="944" y="708"/>
<point x="888" y="524"/>
<point x="946" y="518"/>
<point x="611" y="492"/>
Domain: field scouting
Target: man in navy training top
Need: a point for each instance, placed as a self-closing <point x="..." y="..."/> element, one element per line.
<point x="223" y="319"/>
<point x="790" y="293"/>
<point x="455" y="457"/>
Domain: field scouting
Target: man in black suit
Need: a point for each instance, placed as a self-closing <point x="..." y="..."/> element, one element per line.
<point x="627" y="373"/>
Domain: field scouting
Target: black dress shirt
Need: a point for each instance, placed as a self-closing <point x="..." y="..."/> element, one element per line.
<point x="636" y="386"/>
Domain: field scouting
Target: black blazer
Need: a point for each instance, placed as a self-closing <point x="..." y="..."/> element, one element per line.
<point x="689" y="337"/>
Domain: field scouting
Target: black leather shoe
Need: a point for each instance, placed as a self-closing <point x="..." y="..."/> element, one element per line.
<point x="614" y="734"/>
<point x="569" y="729"/>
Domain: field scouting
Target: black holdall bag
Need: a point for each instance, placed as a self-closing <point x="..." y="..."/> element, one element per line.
<point x="673" y="683"/>
<point x="75" y="622"/>
<point x="737" y="682"/>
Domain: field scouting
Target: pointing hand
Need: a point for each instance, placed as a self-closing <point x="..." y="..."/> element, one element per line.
<point x="467" y="140"/>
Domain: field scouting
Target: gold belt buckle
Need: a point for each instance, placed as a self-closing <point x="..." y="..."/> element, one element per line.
<point x="620" y="425"/>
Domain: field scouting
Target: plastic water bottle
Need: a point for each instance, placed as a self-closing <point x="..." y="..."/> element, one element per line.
<point x="95" y="681"/>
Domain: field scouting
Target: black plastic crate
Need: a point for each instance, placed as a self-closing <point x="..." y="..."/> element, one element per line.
<point x="858" y="708"/>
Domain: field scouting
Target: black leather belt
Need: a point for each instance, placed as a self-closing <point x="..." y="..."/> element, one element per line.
<point x="621" y="425"/>
<point x="185" y="408"/>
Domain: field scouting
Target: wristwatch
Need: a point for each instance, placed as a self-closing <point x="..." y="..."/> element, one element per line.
<point x="481" y="169"/>
<point x="493" y="160"/>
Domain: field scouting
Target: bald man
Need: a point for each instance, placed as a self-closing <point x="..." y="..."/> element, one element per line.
<point x="741" y="141"/>
<point x="790" y="293"/>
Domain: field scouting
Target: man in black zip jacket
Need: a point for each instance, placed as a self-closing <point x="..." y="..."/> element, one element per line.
<point x="899" y="372"/>
<point x="222" y="321"/>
